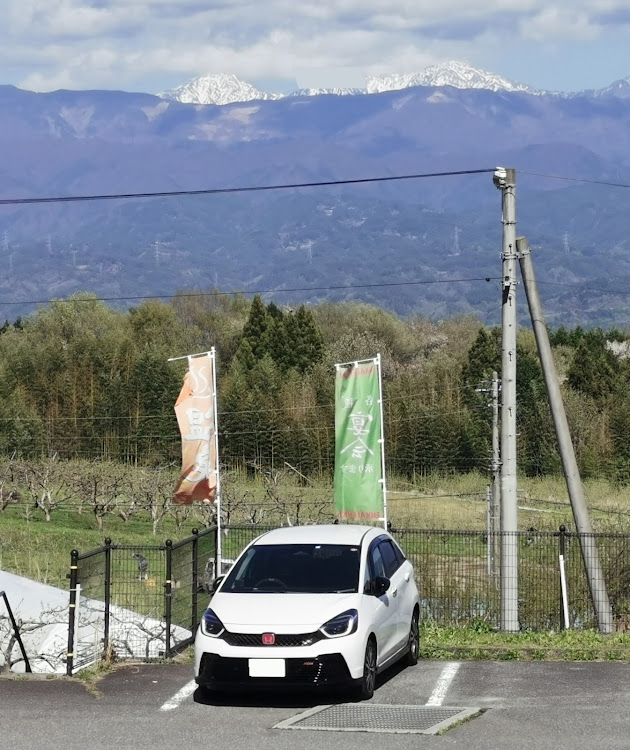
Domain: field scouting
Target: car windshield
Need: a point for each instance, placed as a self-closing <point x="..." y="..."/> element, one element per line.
<point x="295" y="569"/>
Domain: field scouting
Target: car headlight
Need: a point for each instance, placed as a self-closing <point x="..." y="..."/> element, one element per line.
<point x="344" y="624"/>
<point x="211" y="625"/>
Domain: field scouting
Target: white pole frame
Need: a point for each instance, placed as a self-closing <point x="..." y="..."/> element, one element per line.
<point x="382" y="441"/>
<point x="217" y="497"/>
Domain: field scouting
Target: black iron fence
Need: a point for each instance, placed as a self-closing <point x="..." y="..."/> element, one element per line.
<point x="145" y="602"/>
<point x="129" y="601"/>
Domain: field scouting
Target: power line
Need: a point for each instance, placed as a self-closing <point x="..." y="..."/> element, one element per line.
<point x="245" y="189"/>
<point x="253" y="291"/>
<point x="574" y="179"/>
<point x="581" y="288"/>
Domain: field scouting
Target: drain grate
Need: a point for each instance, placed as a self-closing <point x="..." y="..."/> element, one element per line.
<point x="372" y="717"/>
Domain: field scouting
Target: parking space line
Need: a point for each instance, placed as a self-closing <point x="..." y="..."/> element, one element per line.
<point x="179" y="696"/>
<point x="443" y="684"/>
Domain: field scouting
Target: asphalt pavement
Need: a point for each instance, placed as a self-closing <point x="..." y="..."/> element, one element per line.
<point x="572" y="706"/>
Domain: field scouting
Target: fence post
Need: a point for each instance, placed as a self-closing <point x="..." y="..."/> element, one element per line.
<point x="562" y="535"/>
<point x="108" y="595"/>
<point x="195" y="579"/>
<point x="72" y="606"/>
<point x="168" y="596"/>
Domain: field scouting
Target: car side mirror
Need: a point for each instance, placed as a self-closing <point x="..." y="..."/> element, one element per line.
<point x="216" y="583"/>
<point x="377" y="586"/>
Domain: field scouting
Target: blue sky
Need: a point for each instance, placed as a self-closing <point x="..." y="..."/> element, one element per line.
<point x="150" y="45"/>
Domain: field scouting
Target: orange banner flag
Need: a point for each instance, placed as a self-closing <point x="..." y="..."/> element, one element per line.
<point x="197" y="424"/>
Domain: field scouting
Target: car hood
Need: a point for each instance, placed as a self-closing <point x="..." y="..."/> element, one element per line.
<point x="279" y="613"/>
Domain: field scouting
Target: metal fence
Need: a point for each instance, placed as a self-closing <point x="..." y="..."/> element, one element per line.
<point x="142" y="602"/>
<point x="145" y="602"/>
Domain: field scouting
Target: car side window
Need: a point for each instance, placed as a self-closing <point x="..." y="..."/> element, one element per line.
<point x="390" y="558"/>
<point x="400" y="555"/>
<point x="377" y="566"/>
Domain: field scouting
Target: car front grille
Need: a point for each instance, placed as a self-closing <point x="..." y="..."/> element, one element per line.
<point x="281" y="639"/>
<point x="328" y="669"/>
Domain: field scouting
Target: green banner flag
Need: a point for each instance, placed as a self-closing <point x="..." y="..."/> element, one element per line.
<point x="358" y="469"/>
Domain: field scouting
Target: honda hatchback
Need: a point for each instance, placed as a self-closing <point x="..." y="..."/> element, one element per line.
<point x="310" y="606"/>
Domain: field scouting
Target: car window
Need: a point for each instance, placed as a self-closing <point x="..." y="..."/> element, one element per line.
<point x="377" y="566"/>
<point x="295" y="568"/>
<point x="400" y="555"/>
<point x="390" y="559"/>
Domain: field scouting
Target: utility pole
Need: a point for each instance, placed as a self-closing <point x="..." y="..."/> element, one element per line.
<point x="495" y="506"/>
<point x="594" y="574"/>
<point x="505" y="180"/>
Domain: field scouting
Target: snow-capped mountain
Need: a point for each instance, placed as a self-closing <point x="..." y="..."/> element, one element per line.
<point x="619" y="89"/>
<point x="228" y="89"/>
<point x="456" y="74"/>
<point x="333" y="92"/>
<point x="216" y="89"/>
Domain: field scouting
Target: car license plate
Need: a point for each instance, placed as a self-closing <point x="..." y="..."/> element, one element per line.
<point x="267" y="668"/>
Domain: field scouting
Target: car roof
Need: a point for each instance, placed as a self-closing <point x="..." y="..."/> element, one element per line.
<point x="319" y="534"/>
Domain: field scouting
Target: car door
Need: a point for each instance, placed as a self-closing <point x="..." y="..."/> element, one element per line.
<point x="399" y="576"/>
<point x="408" y="591"/>
<point x="381" y="610"/>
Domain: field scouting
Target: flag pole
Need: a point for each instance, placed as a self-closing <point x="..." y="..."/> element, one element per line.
<point x="217" y="497"/>
<point x="382" y="440"/>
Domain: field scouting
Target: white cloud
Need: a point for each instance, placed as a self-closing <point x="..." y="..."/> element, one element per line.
<point x="554" y="23"/>
<point x="118" y="43"/>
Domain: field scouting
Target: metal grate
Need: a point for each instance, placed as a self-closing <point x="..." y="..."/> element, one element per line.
<point x="370" y="717"/>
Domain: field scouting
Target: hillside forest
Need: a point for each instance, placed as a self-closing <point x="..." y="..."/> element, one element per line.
<point x="82" y="380"/>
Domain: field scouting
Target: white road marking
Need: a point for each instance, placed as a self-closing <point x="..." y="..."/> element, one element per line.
<point x="179" y="696"/>
<point x="443" y="684"/>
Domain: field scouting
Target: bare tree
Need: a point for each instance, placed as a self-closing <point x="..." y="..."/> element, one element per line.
<point x="155" y="489"/>
<point x="101" y="487"/>
<point x="47" y="486"/>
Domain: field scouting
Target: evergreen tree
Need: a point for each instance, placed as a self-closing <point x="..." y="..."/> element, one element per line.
<point x="308" y="340"/>
<point x="594" y="370"/>
<point x="256" y="326"/>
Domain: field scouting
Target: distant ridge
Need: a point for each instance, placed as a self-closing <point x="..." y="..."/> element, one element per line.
<point x="224" y="88"/>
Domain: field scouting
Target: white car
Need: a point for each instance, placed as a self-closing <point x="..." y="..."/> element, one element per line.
<point x="310" y="606"/>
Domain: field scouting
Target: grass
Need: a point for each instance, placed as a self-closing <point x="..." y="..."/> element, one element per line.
<point x="481" y="642"/>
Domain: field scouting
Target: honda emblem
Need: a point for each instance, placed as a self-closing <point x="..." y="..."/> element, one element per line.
<point x="268" y="639"/>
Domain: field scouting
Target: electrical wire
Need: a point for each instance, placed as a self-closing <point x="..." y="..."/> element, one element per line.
<point x="178" y="295"/>
<point x="574" y="179"/>
<point x="244" y="189"/>
<point x="623" y="293"/>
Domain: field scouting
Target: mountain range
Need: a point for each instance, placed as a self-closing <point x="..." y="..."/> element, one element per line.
<point x="224" y="88"/>
<point x="421" y="246"/>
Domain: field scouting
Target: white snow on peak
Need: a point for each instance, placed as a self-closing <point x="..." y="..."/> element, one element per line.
<point x="223" y="88"/>
<point x="619" y="89"/>
<point x="333" y="92"/>
<point x="228" y="89"/>
<point x="453" y="73"/>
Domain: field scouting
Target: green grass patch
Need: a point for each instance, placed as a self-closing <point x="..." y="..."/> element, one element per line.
<point x="481" y="642"/>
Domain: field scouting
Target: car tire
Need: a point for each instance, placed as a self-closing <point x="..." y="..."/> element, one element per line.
<point x="367" y="683"/>
<point x="413" y="645"/>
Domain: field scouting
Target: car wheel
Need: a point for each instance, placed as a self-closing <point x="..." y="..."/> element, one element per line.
<point x="414" y="641"/>
<point x="367" y="683"/>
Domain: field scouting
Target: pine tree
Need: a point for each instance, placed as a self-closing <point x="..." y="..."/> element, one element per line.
<point x="256" y="326"/>
<point x="307" y="340"/>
